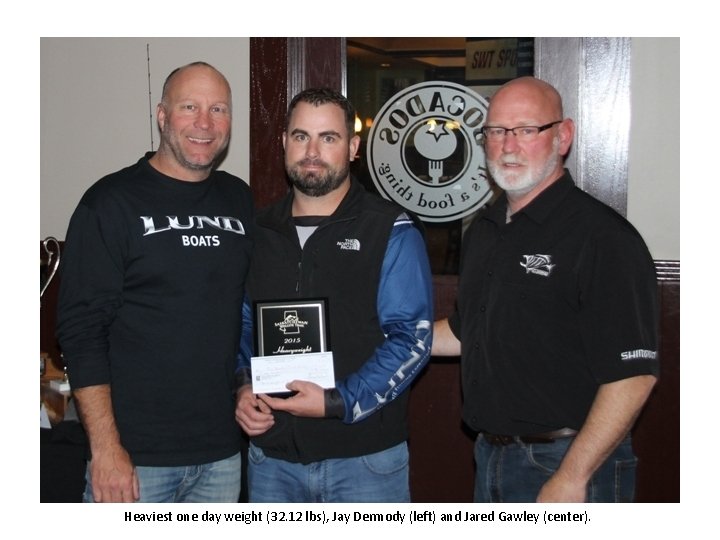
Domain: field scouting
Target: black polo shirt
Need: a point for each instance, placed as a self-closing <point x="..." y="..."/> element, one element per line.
<point x="551" y="305"/>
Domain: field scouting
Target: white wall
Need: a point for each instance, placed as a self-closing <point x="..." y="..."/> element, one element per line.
<point x="654" y="153"/>
<point x="95" y="109"/>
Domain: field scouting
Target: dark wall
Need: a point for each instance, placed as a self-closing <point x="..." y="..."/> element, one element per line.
<point x="48" y="307"/>
<point x="656" y="438"/>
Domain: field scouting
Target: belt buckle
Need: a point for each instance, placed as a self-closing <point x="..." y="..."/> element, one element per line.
<point x="548" y="437"/>
<point x="498" y="440"/>
<point x="535" y="439"/>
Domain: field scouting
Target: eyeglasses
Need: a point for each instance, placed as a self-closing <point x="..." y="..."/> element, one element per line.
<point x="522" y="133"/>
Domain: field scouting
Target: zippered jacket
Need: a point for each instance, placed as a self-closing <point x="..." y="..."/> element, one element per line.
<point x="369" y="261"/>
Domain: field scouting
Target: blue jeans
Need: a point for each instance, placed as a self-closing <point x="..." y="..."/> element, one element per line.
<point x="379" y="477"/>
<point x="216" y="482"/>
<point x="516" y="472"/>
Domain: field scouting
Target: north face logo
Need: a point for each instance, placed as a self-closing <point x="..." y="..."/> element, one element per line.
<point x="538" y="264"/>
<point x="350" y="243"/>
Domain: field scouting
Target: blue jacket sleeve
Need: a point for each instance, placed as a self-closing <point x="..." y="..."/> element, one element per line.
<point x="245" y="352"/>
<point x="404" y="307"/>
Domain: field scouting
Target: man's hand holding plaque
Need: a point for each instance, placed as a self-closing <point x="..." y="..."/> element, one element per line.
<point x="291" y="342"/>
<point x="307" y="399"/>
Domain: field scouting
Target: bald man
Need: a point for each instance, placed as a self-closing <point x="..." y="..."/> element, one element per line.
<point x="150" y="305"/>
<point x="556" y="319"/>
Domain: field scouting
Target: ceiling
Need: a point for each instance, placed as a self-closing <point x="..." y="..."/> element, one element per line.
<point x="407" y="51"/>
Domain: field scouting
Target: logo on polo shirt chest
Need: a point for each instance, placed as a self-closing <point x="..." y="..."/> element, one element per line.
<point x="540" y="265"/>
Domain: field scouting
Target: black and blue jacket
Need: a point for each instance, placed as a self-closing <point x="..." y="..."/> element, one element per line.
<point x="369" y="260"/>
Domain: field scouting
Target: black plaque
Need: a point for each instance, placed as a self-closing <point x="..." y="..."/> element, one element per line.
<point x="291" y="327"/>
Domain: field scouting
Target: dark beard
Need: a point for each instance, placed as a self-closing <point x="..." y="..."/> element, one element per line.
<point x="314" y="185"/>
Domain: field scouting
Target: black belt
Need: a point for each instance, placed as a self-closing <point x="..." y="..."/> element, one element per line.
<point x="534" y="438"/>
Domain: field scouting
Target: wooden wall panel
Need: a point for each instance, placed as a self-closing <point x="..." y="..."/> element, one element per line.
<point x="441" y="447"/>
<point x="656" y="437"/>
<point x="268" y="105"/>
<point x="316" y="62"/>
<point x="48" y="308"/>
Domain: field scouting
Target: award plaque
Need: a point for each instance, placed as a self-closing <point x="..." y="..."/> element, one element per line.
<point x="291" y="343"/>
<point x="291" y="327"/>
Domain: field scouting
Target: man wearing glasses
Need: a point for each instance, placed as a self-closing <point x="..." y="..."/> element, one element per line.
<point x="556" y="319"/>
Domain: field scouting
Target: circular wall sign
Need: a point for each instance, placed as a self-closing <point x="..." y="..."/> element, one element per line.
<point x="425" y="151"/>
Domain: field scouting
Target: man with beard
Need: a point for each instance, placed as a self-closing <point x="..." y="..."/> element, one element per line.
<point x="556" y="319"/>
<point x="329" y="238"/>
<point x="150" y="307"/>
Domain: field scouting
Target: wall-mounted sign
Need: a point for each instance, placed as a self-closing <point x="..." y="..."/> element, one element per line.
<point x="425" y="151"/>
<point x="496" y="61"/>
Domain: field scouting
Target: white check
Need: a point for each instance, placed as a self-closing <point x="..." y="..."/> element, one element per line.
<point x="271" y="374"/>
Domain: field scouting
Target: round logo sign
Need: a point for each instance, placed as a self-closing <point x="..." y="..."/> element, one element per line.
<point x="425" y="152"/>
